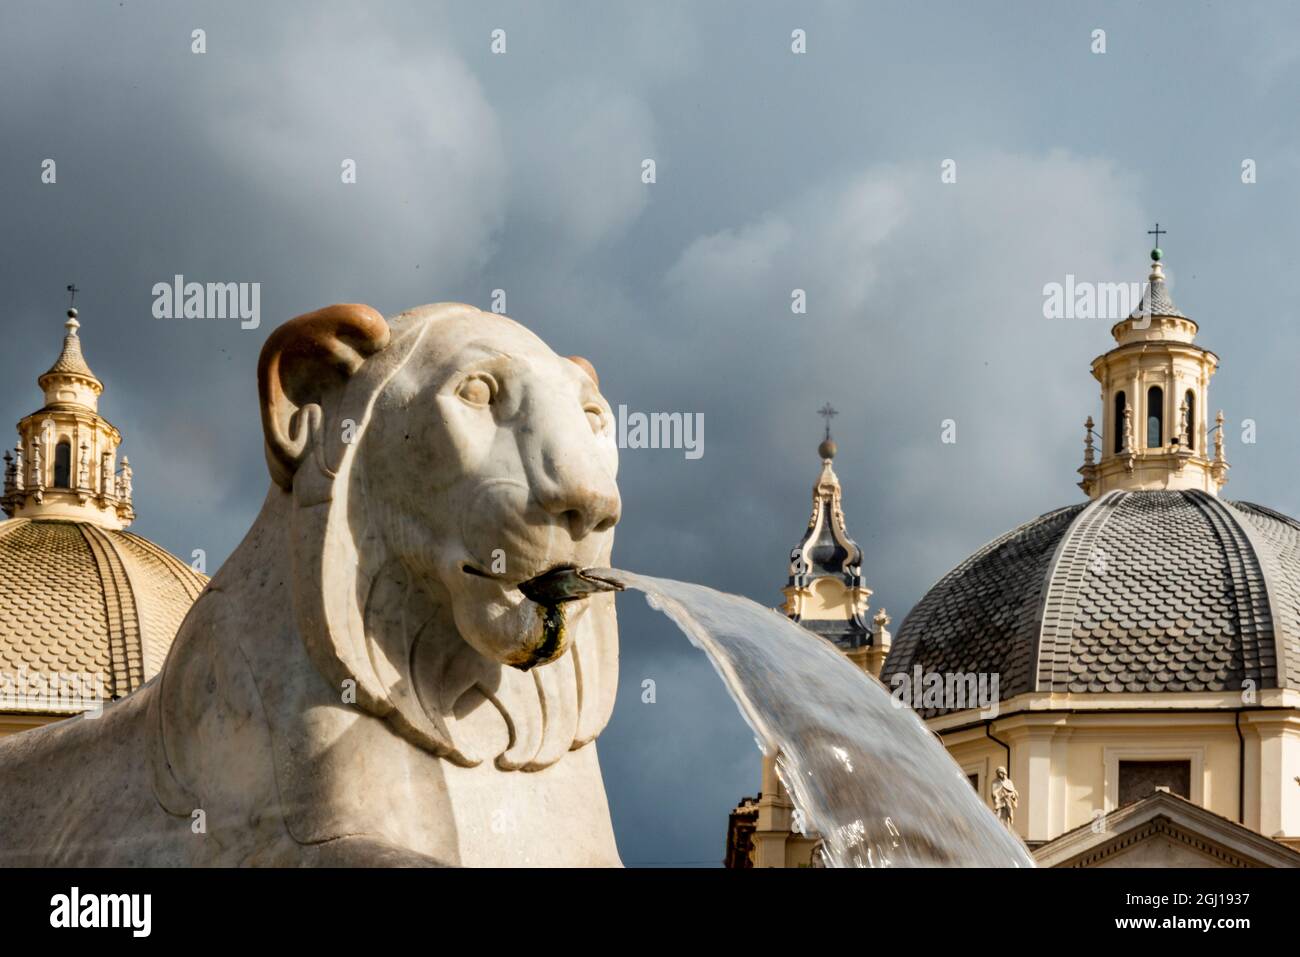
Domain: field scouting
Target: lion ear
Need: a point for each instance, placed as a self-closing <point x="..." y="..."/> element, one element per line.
<point x="586" y="366"/>
<point x="300" y="361"/>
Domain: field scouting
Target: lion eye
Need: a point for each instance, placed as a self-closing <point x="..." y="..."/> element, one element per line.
<point x="476" y="391"/>
<point x="596" y="416"/>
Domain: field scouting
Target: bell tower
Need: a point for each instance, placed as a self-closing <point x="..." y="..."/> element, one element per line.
<point x="1155" y="400"/>
<point x="825" y="592"/>
<point x="64" y="464"/>
<point x="826" y="595"/>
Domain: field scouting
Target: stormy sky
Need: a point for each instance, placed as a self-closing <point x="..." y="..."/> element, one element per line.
<point x="775" y="171"/>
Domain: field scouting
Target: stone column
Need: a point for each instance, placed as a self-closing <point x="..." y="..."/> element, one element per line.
<point x="1030" y="737"/>
<point x="1272" y="771"/>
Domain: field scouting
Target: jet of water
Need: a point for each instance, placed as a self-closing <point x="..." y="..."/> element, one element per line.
<point x="863" y="768"/>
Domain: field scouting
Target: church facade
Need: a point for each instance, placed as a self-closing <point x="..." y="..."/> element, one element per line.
<point x="88" y="610"/>
<point x="1146" y="643"/>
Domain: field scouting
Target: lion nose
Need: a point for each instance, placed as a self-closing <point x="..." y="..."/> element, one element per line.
<point x="583" y="505"/>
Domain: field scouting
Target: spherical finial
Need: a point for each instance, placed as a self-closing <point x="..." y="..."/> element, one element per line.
<point x="72" y="325"/>
<point x="1157" y="254"/>
<point x="827" y="449"/>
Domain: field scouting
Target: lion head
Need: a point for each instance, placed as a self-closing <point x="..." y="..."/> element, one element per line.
<point x="435" y="462"/>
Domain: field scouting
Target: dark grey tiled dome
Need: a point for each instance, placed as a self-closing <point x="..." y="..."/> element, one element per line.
<point x="1136" y="591"/>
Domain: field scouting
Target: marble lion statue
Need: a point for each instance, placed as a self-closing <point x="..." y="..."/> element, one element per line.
<point x="363" y="682"/>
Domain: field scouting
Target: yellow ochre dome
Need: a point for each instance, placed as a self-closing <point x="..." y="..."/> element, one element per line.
<point x="78" y="599"/>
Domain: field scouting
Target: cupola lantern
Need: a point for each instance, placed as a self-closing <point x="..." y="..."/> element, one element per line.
<point x="63" y="465"/>
<point x="1155" y="397"/>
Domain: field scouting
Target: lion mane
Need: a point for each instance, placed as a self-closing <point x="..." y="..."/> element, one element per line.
<point x="368" y="627"/>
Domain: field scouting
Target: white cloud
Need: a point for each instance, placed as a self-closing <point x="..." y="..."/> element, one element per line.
<point x="576" y="157"/>
<point x="825" y="241"/>
<point x="925" y="303"/>
<point x="717" y="266"/>
<point x="431" y="165"/>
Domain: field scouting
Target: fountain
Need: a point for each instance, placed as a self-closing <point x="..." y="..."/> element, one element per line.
<point x="401" y="664"/>
<point x="866" y="772"/>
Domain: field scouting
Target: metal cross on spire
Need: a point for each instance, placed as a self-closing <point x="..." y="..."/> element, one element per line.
<point x="827" y="412"/>
<point x="72" y="299"/>
<point x="1156" y="232"/>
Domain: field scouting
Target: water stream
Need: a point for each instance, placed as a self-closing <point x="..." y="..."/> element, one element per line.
<point x="867" y="774"/>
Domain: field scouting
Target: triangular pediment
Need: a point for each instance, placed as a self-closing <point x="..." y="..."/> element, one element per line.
<point x="1164" y="830"/>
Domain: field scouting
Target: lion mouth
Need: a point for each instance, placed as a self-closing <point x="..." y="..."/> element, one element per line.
<point x="556" y="585"/>
<point x="554" y="639"/>
<point x="566" y="583"/>
<point x="528" y="623"/>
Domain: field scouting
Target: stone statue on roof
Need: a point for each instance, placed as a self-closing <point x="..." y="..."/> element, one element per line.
<point x="1005" y="797"/>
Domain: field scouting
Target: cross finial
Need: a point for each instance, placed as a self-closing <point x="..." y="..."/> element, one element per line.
<point x="1156" y="232"/>
<point x="827" y="412"/>
<point x="71" y="325"/>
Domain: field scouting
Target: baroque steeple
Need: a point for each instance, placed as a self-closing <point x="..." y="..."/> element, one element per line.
<point x="825" y="592"/>
<point x="64" y="463"/>
<point x="1155" y="396"/>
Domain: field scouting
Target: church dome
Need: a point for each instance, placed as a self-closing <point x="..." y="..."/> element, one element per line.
<point x="87" y="609"/>
<point x="1155" y="584"/>
<point x="1136" y="591"/>
<point x="79" y="599"/>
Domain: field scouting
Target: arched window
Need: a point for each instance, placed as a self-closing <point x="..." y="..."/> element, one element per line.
<point x="1191" y="420"/>
<point x="1118" y="426"/>
<point x="63" y="465"/>
<point x="1155" y="417"/>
